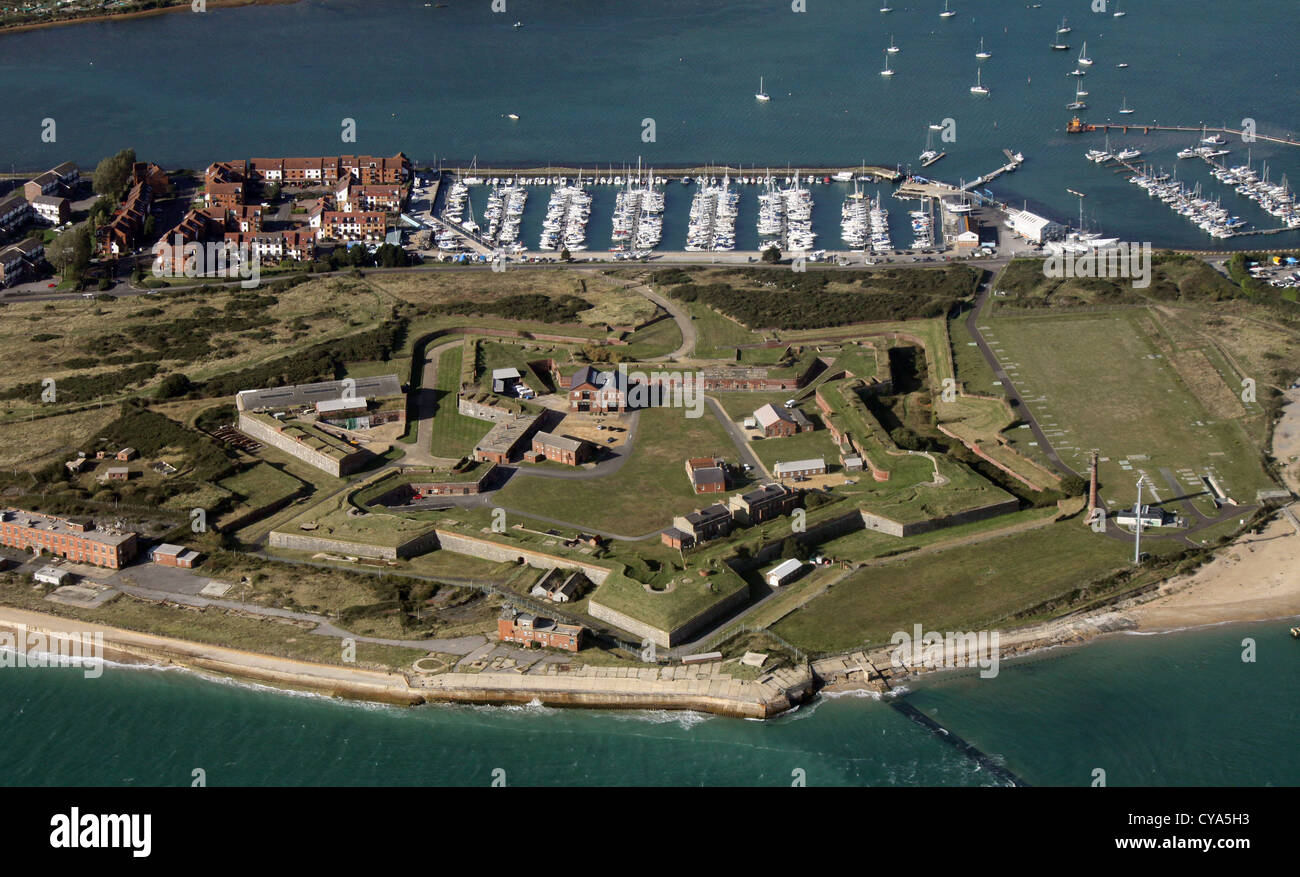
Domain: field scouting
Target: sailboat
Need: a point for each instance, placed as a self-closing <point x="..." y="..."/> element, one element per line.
<point x="893" y="49"/>
<point x="1077" y="103"/>
<point x="979" y="87"/>
<point x="1064" y="28"/>
<point x="1084" y="60"/>
<point x="1057" y="45"/>
<point x="929" y="153"/>
<point x="1118" y="13"/>
<point x="761" y="95"/>
<point x="1124" y="109"/>
<point x="947" y="13"/>
<point x="886" y="9"/>
<point x="886" y="71"/>
<point x="981" y="54"/>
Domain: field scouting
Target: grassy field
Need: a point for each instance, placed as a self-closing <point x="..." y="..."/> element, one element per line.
<point x="332" y="521"/>
<point x="963" y="588"/>
<point x="643" y="495"/>
<point x="1101" y="381"/>
<point x="718" y="336"/>
<point x="657" y="339"/>
<point x="454" y="434"/>
<point x="801" y="446"/>
<point x="259" y="486"/>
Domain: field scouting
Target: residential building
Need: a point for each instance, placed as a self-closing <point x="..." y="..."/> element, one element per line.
<point x="561" y="449"/>
<point x="43" y="184"/>
<point x="20" y="261"/>
<point x="362" y="226"/>
<point x="529" y="630"/>
<point x="800" y="468"/>
<point x="15" y="211"/>
<point x="707" y="474"/>
<point x="52" y="209"/>
<point x="78" y="541"/>
<point x="762" y="504"/>
<point x="705" y="524"/>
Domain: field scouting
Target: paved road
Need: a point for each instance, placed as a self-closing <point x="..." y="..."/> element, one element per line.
<point x="737" y="436"/>
<point x="679" y="316"/>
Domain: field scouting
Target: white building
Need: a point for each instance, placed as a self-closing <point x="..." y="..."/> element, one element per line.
<point x="783" y="572"/>
<point x="1033" y="227"/>
<point x="52" y="575"/>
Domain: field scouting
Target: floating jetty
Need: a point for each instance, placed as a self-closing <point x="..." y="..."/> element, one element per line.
<point x="1077" y="126"/>
<point x="868" y="173"/>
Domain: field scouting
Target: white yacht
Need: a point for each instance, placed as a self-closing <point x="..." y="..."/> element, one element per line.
<point x="947" y="13"/>
<point x="982" y="54"/>
<point x="1084" y="60"/>
<point x="1064" y="28"/>
<point x="1118" y="13"/>
<point x="886" y="71"/>
<point x="979" y="87"/>
<point x="1126" y="154"/>
<point x="1121" y="65"/>
<point x="886" y="9"/>
<point x="1124" y="109"/>
<point x="893" y="49"/>
<point x="761" y="94"/>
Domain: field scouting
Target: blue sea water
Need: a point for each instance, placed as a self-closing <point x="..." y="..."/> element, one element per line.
<point x="1171" y="709"/>
<point x="583" y="76"/>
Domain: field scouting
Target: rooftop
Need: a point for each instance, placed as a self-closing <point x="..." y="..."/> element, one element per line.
<point x="50" y="524"/>
<point x="305" y="395"/>
<point x="558" y="441"/>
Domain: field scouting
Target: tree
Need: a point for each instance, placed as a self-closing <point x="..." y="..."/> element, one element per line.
<point x="1074" y="485"/>
<point x="565" y="255"/>
<point x="772" y="255"/>
<point x="391" y="256"/>
<point x="113" y="174"/>
<point x="70" y="251"/>
<point x="174" y="385"/>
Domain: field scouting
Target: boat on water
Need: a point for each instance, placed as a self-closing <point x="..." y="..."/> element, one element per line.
<point x="761" y="94"/>
<point x="893" y="49"/>
<point x="930" y="155"/>
<point x="947" y="13"/>
<point x="979" y="87"/>
<point x="1064" y="28"/>
<point x="934" y="127"/>
<point x="1122" y="65"/>
<point x="1128" y="153"/>
<point x="1077" y="103"/>
<point x="1057" y="44"/>
<point x="1124" y="108"/>
<point x="1077" y="72"/>
<point x="1084" y="60"/>
<point x="982" y="54"/>
<point x="1118" y="13"/>
<point x="887" y="71"/>
<point x="886" y="9"/>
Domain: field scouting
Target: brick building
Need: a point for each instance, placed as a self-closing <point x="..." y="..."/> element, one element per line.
<point x="74" y="540"/>
<point x="173" y="555"/>
<point x="561" y="449"/>
<point x="707" y="474"/>
<point x="529" y="630"/>
<point x="591" y="389"/>
<point x="762" y="504"/>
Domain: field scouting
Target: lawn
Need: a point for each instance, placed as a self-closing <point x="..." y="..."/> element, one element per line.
<point x="1100" y="381"/>
<point x="801" y="446"/>
<point x="718" y="336"/>
<point x="657" y="339"/>
<point x="454" y="434"/>
<point x="642" y="496"/>
<point x="963" y="588"/>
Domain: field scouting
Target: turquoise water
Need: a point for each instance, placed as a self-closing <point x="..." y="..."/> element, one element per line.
<point x="1177" y="709"/>
<point x="185" y="89"/>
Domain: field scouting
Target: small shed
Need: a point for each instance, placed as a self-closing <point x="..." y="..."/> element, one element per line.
<point x="783" y="572"/>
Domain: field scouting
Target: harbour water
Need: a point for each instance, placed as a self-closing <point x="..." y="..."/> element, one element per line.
<point x="1179" y="708"/>
<point x="584" y="76"/>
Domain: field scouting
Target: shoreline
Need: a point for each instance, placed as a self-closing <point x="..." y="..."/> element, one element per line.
<point x="1248" y="581"/>
<point x="139" y="13"/>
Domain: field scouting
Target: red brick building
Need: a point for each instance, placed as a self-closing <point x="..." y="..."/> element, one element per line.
<point x="74" y="540"/>
<point x="775" y="422"/>
<point x="707" y="474"/>
<point x="528" y="630"/>
<point x="174" y="555"/>
<point x="561" y="449"/>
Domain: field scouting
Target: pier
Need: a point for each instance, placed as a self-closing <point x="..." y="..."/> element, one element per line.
<point x="1078" y="127"/>
<point x="1014" y="161"/>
